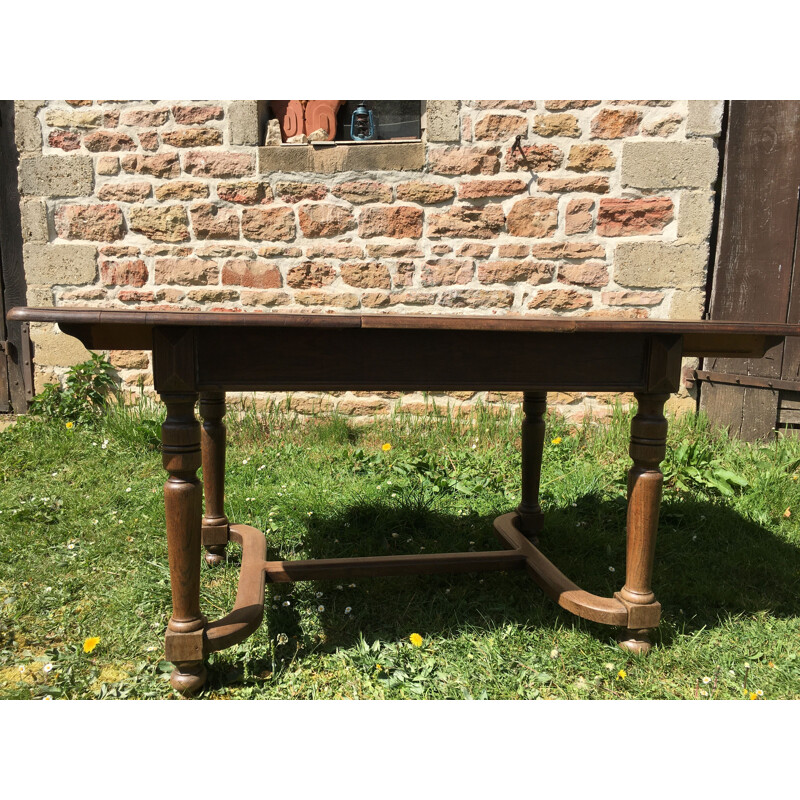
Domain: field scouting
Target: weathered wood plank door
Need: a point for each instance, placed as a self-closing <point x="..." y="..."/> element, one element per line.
<point x="754" y="274"/>
<point x="16" y="368"/>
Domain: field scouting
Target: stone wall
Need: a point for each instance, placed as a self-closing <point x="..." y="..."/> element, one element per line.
<point x="604" y="209"/>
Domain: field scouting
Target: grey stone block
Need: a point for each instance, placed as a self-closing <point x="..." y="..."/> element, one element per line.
<point x="34" y="221"/>
<point x="246" y="120"/>
<point x="331" y="159"/>
<point x="658" y="265"/>
<point x="27" y="128"/>
<point x="39" y="297"/>
<point x="687" y="304"/>
<point x="669" y="165"/>
<point x="49" y="264"/>
<point x="695" y="215"/>
<point x="56" y="176"/>
<point x="443" y="124"/>
<point x="704" y="118"/>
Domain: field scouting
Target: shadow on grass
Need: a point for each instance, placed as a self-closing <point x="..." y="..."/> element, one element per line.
<point x="711" y="563"/>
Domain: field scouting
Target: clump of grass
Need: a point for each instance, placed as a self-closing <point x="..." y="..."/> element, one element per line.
<point x="83" y="555"/>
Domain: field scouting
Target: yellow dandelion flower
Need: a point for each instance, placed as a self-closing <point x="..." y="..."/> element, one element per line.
<point x="415" y="639"/>
<point x="70" y="425"/>
<point x="621" y="675"/>
<point x="386" y="447"/>
<point x="753" y="696"/>
<point x="90" y="644"/>
<point x="771" y="664"/>
<point x="557" y="440"/>
<point x="378" y="667"/>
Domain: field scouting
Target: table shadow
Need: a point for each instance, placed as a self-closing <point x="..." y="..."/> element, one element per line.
<point x="711" y="564"/>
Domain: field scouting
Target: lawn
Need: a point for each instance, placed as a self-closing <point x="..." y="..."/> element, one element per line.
<point x="83" y="556"/>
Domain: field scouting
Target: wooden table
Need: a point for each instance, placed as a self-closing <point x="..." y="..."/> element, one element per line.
<point x="203" y="355"/>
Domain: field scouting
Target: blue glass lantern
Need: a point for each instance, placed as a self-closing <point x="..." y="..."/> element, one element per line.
<point x="362" y="123"/>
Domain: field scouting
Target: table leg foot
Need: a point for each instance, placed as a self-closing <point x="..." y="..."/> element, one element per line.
<point x="215" y="555"/>
<point x="188" y="677"/>
<point x="635" y="640"/>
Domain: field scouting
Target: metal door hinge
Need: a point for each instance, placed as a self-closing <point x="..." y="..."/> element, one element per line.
<point x="750" y="381"/>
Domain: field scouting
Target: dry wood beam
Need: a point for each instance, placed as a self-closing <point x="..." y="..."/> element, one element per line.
<point x="248" y="610"/>
<point x="555" y="584"/>
<point x="380" y="566"/>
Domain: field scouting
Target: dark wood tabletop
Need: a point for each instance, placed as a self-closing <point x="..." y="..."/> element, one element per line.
<point x="133" y="329"/>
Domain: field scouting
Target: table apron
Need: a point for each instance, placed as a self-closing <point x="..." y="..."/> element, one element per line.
<point x="290" y="359"/>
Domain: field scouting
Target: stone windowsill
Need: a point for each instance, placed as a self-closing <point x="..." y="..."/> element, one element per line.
<point x="329" y="158"/>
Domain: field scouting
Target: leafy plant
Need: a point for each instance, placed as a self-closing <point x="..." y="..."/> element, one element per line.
<point x="691" y="467"/>
<point x="398" y="666"/>
<point x="85" y="392"/>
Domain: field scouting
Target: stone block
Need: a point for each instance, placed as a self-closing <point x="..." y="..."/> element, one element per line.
<point x="39" y="297"/>
<point x="56" y="349"/>
<point x="193" y="137"/>
<point x="467" y="222"/>
<point x="160" y="223"/>
<point x="245" y="121"/>
<point x="145" y="117"/>
<point x="48" y="264"/>
<point x="656" y="265"/>
<point x="397" y="222"/>
<point x="695" y="215"/>
<point x="442" y="120"/>
<point x="27" y="128"/>
<point x="500" y="127"/>
<point x="326" y="219"/>
<point x="332" y="159"/>
<point x="687" y="304"/>
<point x="83" y="118"/>
<point x="704" y="118"/>
<point x="34" y="221"/>
<point x="359" y="192"/>
<point x="669" y="165"/>
<point x="196" y="115"/>
<point x="56" y="176"/>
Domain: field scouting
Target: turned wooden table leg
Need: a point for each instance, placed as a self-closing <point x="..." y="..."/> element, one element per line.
<point x="531" y="519"/>
<point x="215" y="523"/>
<point x="180" y="437"/>
<point x="647" y="449"/>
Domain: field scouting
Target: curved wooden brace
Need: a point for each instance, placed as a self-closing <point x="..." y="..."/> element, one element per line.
<point x="555" y="584"/>
<point x="248" y="610"/>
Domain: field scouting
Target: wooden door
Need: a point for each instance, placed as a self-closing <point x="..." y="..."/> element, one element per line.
<point x="754" y="274"/>
<point x="16" y="367"/>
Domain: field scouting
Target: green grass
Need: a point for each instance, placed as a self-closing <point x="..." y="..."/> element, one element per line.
<point x="83" y="554"/>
